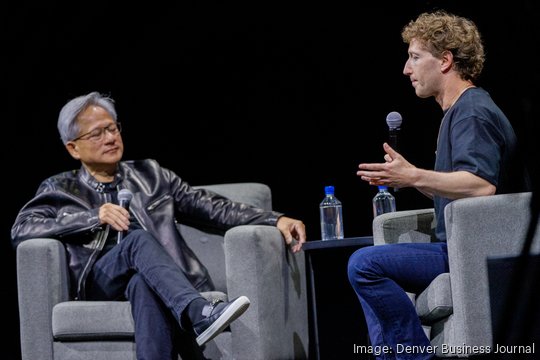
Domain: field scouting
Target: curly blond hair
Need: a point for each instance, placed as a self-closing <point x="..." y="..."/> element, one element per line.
<point x="441" y="31"/>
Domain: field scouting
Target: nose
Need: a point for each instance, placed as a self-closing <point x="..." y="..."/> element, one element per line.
<point x="407" y="69"/>
<point x="109" y="135"/>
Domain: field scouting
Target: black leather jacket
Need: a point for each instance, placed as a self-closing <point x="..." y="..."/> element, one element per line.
<point x="66" y="208"/>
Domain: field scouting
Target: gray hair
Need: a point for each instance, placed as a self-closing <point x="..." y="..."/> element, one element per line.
<point x="67" y="124"/>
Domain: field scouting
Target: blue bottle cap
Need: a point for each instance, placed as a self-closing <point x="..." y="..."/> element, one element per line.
<point x="382" y="187"/>
<point x="329" y="190"/>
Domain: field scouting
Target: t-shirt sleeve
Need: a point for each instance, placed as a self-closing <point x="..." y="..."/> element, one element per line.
<point x="476" y="149"/>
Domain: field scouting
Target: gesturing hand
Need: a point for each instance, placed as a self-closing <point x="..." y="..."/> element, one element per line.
<point x="394" y="172"/>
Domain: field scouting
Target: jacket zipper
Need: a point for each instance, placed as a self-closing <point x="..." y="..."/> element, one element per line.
<point x="158" y="202"/>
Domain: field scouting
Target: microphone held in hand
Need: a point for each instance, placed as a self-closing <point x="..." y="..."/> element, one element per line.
<point x="393" y="120"/>
<point x="124" y="198"/>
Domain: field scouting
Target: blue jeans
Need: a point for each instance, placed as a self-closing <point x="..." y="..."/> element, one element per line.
<point x="381" y="276"/>
<point x="140" y="270"/>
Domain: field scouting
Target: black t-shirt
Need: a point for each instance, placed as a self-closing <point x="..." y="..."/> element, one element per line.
<point x="477" y="137"/>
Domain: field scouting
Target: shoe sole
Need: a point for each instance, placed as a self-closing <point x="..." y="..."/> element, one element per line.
<point x="237" y="308"/>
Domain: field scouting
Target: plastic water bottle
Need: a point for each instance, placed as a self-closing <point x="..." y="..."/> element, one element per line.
<point x="383" y="202"/>
<point x="331" y="216"/>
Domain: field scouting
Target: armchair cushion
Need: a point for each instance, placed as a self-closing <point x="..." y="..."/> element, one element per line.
<point x="99" y="320"/>
<point x="92" y="320"/>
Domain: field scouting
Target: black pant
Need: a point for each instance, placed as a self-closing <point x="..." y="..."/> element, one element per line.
<point x="140" y="270"/>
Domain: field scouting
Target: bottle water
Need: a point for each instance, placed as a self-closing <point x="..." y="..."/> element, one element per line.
<point x="383" y="202"/>
<point x="331" y="216"/>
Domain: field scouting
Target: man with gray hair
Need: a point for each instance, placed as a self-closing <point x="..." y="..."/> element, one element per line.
<point x="138" y="254"/>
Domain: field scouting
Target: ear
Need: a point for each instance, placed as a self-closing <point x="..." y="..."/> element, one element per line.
<point x="73" y="150"/>
<point x="447" y="61"/>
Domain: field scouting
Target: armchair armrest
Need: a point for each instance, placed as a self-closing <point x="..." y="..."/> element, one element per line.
<point x="404" y="226"/>
<point x="261" y="267"/>
<point x="42" y="283"/>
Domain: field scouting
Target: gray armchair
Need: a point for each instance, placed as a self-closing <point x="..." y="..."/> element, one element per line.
<point x="246" y="260"/>
<point x="455" y="308"/>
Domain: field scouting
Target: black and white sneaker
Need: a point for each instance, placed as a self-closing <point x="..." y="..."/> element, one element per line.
<point x="217" y="316"/>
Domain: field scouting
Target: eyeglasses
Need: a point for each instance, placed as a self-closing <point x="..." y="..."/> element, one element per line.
<point x="96" y="135"/>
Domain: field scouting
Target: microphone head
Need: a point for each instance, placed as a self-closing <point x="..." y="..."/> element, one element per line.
<point x="393" y="120"/>
<point x="124" y="196"/>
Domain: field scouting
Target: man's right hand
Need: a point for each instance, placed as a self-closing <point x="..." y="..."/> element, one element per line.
<point x="115" y="216"/>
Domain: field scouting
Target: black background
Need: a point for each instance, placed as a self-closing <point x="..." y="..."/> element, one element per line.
<point x="291" y="94"/>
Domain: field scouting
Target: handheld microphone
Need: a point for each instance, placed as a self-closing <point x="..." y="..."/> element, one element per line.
<point x="124" y="198"/>
<point x="393" y="120"/>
